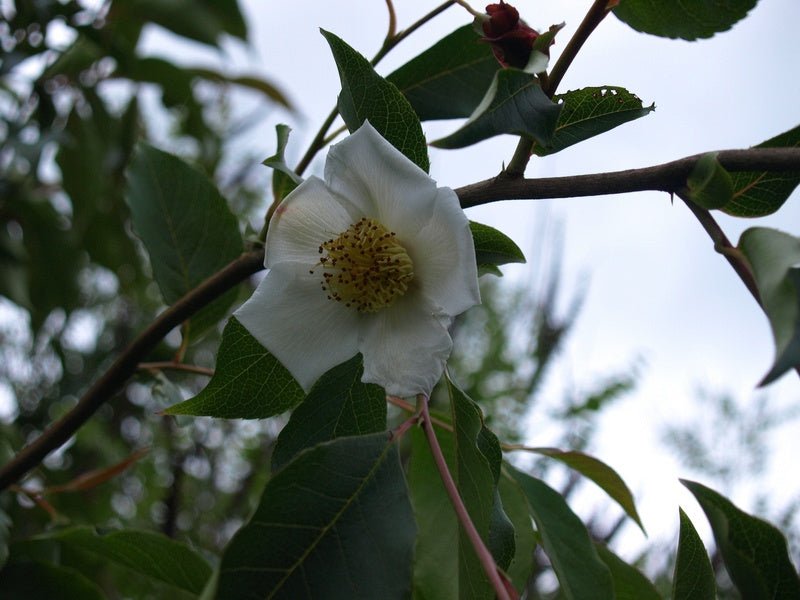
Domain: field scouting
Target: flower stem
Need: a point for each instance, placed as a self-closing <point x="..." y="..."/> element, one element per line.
<point x="502" y="588"/>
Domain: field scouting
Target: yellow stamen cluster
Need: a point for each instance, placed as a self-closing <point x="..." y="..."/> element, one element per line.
<point x="365" y="267"/>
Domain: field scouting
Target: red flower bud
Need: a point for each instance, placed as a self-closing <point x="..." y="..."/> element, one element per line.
<point x="511" y="39"/>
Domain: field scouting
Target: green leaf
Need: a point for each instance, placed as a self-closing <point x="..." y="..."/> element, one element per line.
<point x="566" y="541"/>
<point x="754" y="551"/>
<point x="685" y="20"/>
<point x="478" y="458"/>
<point x="709" y="185"/>
<point x="493" y="248"/>
<point x="600" y="473"/>
<point x="284" y="179"/>
<point x="591" y="111"/>
<point x="248" y="383"/>
<point x="775" y="260"/>
<point x="516" y="507"/>
<point x="514" y="104"/>
<point x="756" y="194"/>
<point x="333" y="523"/>
<point x="203" y="21"/>
<point x="449" y="79"/>
<point x="694" y="577"/>
<point x="186" y="226"/>
<point x="435" y="561"/>
<point x="338" y="405"/>
<point x="368" y="96"/>
<point x="46" y="581"/>
<point x="150" y="554"/>
<point x="629" y="582"/>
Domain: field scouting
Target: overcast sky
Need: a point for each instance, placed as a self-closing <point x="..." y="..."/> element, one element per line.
<point x="656" y="290"/>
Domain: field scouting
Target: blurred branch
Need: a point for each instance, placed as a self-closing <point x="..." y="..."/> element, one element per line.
<point x="668" y="177"/>
<point x="126" y="364"/>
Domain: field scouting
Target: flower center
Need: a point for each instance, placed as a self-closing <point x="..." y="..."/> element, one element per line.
<point x="365" y="267"/>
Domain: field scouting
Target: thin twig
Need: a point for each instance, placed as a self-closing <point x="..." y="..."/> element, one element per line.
<point x="175" y="366"/>
<point x="125" y="365"/>
<point x="485" y="557"/>
<point x="668" y="177"/>
<point x="594" y="16"/>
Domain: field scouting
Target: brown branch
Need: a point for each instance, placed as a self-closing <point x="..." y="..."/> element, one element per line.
<point x="668" y="177"/>
<point x="125" y="365"/>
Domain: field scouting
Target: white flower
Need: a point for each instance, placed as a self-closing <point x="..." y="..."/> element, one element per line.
<point x="375" y="259"/>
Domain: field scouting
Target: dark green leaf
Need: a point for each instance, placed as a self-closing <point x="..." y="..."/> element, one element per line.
<point x="604" y="476"/>
<point x="493" y="248"/>
<point x="694" y="577"/>
<point x="514" y="104"/>
<point x="338" y="405"/>
<point x="516" y="507"/>
<point x="284" y="179"/>
<point x="591" y="111"/>
<point x="435" y="561"/>
<point x="92" y="159"/>
<point x="566" y="541"/>
<point x="186" y="226"/>
<point x="685" y="20"/>
<point x="629" y="582"/>
<point x="774" y="257"/>
<point x="450" y="78"/>
<point x="756" y="194"/>
<point x="333" y="523"/>
<point x="48" y="241"/>
<point x="709" y="185"/>
<point x="366" y="95"/>
<point x="755" y="552"/>
<point x="248" y="383"/>
<point x="150" y="554"/>
<point x="45" y="581"/>
<point x="478" y="459"/>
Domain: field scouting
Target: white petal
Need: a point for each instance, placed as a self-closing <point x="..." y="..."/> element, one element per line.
<point x="405" y="348"/>
<point x="443" y="254"/>
<point x="292" y="318"/>
<point x="380" y="182"/>
<point x="307" y="217"/>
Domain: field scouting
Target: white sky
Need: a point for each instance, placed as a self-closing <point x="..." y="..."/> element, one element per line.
<point x="657" y="290"/>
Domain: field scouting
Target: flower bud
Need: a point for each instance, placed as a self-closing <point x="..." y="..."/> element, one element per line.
<point x="511" y="38"/>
